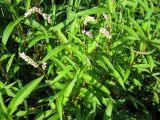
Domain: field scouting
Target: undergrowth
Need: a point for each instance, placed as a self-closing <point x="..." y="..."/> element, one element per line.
<point x="79" y="59"/>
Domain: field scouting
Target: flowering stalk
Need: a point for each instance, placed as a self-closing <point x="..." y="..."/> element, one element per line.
<point x="28" y="59"/>
<point x="37" y="10"/>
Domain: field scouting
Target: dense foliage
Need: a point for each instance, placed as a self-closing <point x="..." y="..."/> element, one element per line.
<point x="79" y="59"/>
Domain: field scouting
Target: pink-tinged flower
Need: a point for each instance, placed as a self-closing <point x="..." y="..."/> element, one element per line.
<point x="37" y="10"/>
<point x="32" y="10"/>
<point x="89" y="34"/>
<point x="105" y="32"/>
<point x="88" y="19"/>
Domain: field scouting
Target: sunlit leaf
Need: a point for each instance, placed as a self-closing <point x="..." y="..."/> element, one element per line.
<point x="21" y="95"/>
<point x="8" y="30"/>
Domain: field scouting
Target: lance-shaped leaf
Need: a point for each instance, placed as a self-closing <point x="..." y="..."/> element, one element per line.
<point x="8" y="30"/>
<point x="21" y="95"/>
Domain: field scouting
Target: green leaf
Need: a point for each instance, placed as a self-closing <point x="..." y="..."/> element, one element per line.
<point x="21" y="95"/>
<point x="155" y="41"/>
<point x="69" y="88"/>
<point x="151" y="62"/>
<point x="59" y="103"/>
<point x="13" y="71"/>
<point x="73" y="28"/>
<point x="38" y="26"/>
<point x="109" y="108"/>
<point x="54" y="117"/>
<point x="70" y="61"/>
<point x="9" y="6"/>
<point x="27" y="4"/>
<point x="60" y="75"/>
<point x="44" y="115"/>
<point x="92" y="46"/>
<point x="37" y="39"/>
<point x="17" y="1"/>
<point x="62" y="66"/>
<point x="4" y="56"/>
<point x="8" y="91"/>
<point x="95" y="83"/>
<point x="62" y="37"/>
<point x="54" y="52"/>
<point x="78" y="112"/>
<point x="82" y="57"/>
<point x="21" y="113"/>
<point x="9" y="29"/>
<point x="91" y="113"/>
<point x="139" y="29"/>
<point x="156" y="97"/>
<point x="130" y="30"/>
<point x="115" y="72"/>
<point x="81" y="13"/>
<point x="132" y="56"/>
<point x="3" y="109"/>
<point x="138" y="66"/>
<point x="10" y="63"/>
<point x="144" y="4"/>
<point x="110" y="6"/>
<point x="89" y="96"/>
<point x="108" y="111"/>
<point x="102" y="64"/>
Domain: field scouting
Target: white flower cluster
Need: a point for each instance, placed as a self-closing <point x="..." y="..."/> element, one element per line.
<point x="28" y="59"/>
<point x="89" y="34"/>
<point x="37" y="10"/>
<point x="105" y="32"/>
<point x="32" y="10"/>
<point x="88" y="19"/>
